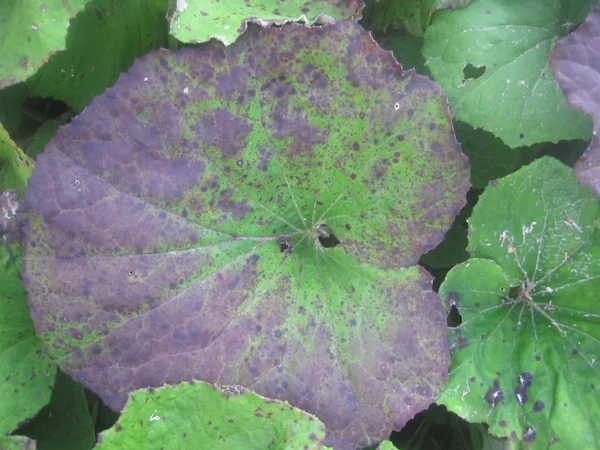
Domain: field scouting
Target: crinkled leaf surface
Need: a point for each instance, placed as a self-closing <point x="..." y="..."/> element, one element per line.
<point x="197" y="415"/>
<point x="65" y="423"/>
<point x="31" y="31"/>
<point x="16" y="443"/>
<point x="15" y="166"/>
<point x="201" y="20"/>
<point x="103" y="41"/>
<point x="175" y="228"/>
<point x="490" y="57"/>
<point x="525" y="358"/>
<point x="26" y="371"/>
<point x="576" y="64"/>
<point x="412" y="16"/>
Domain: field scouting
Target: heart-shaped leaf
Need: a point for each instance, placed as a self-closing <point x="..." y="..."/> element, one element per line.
<point x="491" y="59"/>
<point x="525" y="358"/>
<point x="252" y="215"/>
<point x="202" y="20"/>
<point x="576" y="64"/>
<point x="190" y="414"/>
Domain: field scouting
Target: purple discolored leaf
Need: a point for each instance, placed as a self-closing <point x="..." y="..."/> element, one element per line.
<point x="576" y="64"/>
<point x="253" y="215"/>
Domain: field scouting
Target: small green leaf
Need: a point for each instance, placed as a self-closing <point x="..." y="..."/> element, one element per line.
<point x="31" y="31"/>
<point x="196" y="21"/>
<point x="103" y="41"/>
<point x="16" y="443"/>
<point x="200" y="416"/>
<point x="26" y="371"/>
<point x="411" y="16"/>
<point x="525" y="357"/>
<point x="65" y="423"/>
<point x="15" y="166"/>
<point x="386" y="445"/>
<point x="490" y="57"/>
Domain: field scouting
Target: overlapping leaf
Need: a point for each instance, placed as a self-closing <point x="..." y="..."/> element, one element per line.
<point x="185" y="227"/>
<point x="26" y="371"/>
<point x="103" y="41"/>
<point x="201" y="20"/>
<point x="491" y="59"/>
<point x="16" y="443"/>
<point x="197" y="415"/>
<point x="31" y="31"/>
<point x="525" y="357"/>
<point x="576" y="64"/>
<point x="15" y="166"/>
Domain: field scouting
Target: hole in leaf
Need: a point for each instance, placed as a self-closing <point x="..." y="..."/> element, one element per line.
<point x="514" y="292"/>
<point x="470" y="72"/>
<point x="284" y="245"/>
<point x="326" y="237"/>
<point x="454" y="318"/>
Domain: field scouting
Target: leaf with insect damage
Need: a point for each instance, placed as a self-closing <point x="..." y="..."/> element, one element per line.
<point x="576" y="64"/>
<point x="196" y="21"/>
<point x="212" y="216"/>
<point x="525" y="358"/>
<point x="199" y="415"/>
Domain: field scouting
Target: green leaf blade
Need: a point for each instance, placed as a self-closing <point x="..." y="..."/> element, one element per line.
<point x="524" y="357"/>
<point x="31" y="32"/>
<point x="511" y="40"/>
<point x="200" y="21"/>
<point x="198" y="414"/>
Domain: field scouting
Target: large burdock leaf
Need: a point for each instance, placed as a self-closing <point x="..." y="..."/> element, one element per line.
<point x="252" y="215"/>
<point x="197" y="415"/>
<point x="201" y="20"/>
<point x="576" y="64"/>
<point x="31" y="31"/>
<point x="525" y="358"/>
<point x="491" y="59"/>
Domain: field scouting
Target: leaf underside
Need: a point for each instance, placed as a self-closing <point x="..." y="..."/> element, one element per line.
<point x="525" y="358"/>
<point x="199" y="415"/>
<point x="156" y="219"/>
<point x="576" y="64"/>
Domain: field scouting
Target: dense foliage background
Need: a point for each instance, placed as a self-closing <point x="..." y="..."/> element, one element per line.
<point x="313" y="133"/>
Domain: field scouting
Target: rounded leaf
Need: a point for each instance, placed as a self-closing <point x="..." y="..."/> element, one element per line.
<point x="244" y="215"/>
<point x="524" y="358"/>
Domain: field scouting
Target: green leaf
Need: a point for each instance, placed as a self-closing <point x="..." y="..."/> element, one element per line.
<point x="524" y="358"/>
<point x="386" y="445"/>
<point x="199" y="415"/>
<point x="16" y="443"/>
<point x="31" y="31"/>
<point x="65" y="423"/>
<point x="26" y="371"/>
<point x="411" y="16"/>
<point x="15" y="166"/>
<point x="196" y="21"/>
<point x="490" y="57"/>
<point x="212" y="216"/>
<point x="103" y="41"/>
<point x="575" y="64"/>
